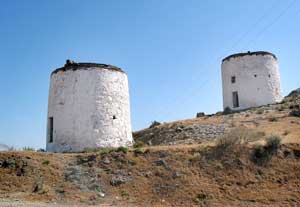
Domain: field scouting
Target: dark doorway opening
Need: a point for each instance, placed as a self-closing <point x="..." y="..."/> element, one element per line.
<point x="50" y="129"/>
<point x="235" y="99"/>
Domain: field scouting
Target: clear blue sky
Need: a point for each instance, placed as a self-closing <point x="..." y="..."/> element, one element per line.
<point x="170" y="49"/>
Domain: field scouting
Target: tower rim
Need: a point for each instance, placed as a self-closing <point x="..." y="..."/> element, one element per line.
<point x="249" y="53"/>
<point x="71" y="65"/>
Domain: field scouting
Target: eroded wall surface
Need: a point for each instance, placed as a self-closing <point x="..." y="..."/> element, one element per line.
<point x="90" y="108"/>
<point x="257" y="81"/>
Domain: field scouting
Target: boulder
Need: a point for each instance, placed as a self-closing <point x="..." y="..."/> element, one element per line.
<point x="154" y="124"/>
<point x="200" y="114"/>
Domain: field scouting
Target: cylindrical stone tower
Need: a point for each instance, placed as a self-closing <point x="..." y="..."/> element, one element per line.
<point x="88" y="108"/>
<point x="250" y="80"/>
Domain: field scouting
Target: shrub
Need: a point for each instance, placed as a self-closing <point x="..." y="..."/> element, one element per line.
<point x="138" y="151"/>
<point x="227" y="110"/>
<point x="273" y="143"/>
<point x="234" y="141"/>
<point x="281" y="108"/>
<point x="124" y="193"/>
<point x="122" y="149"/>
<point x="9" y="164"/>
<point x="98" y="189"/>
<point x="86" y="159"/>
<point x="273" y="119"/>
<point x="46" y="162"/>
<point x="239" y="136"/>
<point x="200" y="199"/>
<point x="262" y="154"/>
<point x="295" y="113"/>
<point x="106" y="150"/>
<point x="260" y="111"/>
<point x="138" y="144"/>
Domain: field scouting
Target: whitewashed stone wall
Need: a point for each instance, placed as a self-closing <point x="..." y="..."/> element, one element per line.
<point x="90" y="108"/>
<point x="257" y="80"/>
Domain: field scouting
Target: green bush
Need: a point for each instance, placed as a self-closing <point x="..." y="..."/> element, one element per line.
<point x="138" y="144"/>
<point x="273" y="143"/>
<point x="281" y="107"/>
<point x="106" y="150"/>
<point x="124" y="193"/>
<point x="122" y="149"/>
<point x="138" y="151"/>
<point x="46" y="162"/>
<point x="260" y="111"/>
<point x="262" y="154"/>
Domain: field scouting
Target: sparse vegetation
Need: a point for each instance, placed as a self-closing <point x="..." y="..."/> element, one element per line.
<point x="138" y="151"/>
<point x="46" y="162"/>
<point x="239" y="136"/>
<point x="28" y="149"/>
<point x="295" y="113"/>
<point x="106" y="150"/>
<point x="286" y="132"/>
<point x="122" y="149"/>
<point x="273" y="119"/>
<point x="227" y="110"/>
<point x="260" y="111"/>
<point x="90" y="150"/>
<point x="138" y="144"/>
<point x="82" y="159"/>
<point x="201" y="199"/>
<point x="234" y="141"/>
<point x="262" y="154"/>
<point x="273" y="143"/>
<point x="98" y="189"/>
<point x="281" y="107"/>
<point x="124" y="193"/>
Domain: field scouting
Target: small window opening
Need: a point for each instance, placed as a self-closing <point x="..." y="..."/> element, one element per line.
<point x="114" y="117"/>
<point x="255" y="75"/>
<point x="50" y="129"/>
<point x="269" y="76"/>
<point x="233" y="79"/>
<point x="235" y="99"/>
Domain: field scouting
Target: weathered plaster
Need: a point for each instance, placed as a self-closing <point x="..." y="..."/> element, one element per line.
<point x="257" y="80"/>
<point x="90" y="108"/>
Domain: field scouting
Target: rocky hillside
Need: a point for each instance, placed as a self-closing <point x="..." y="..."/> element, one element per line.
<point x="281" y="119"/>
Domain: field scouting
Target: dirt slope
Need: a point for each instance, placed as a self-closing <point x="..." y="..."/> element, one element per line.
<point x="174" y="176"/>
